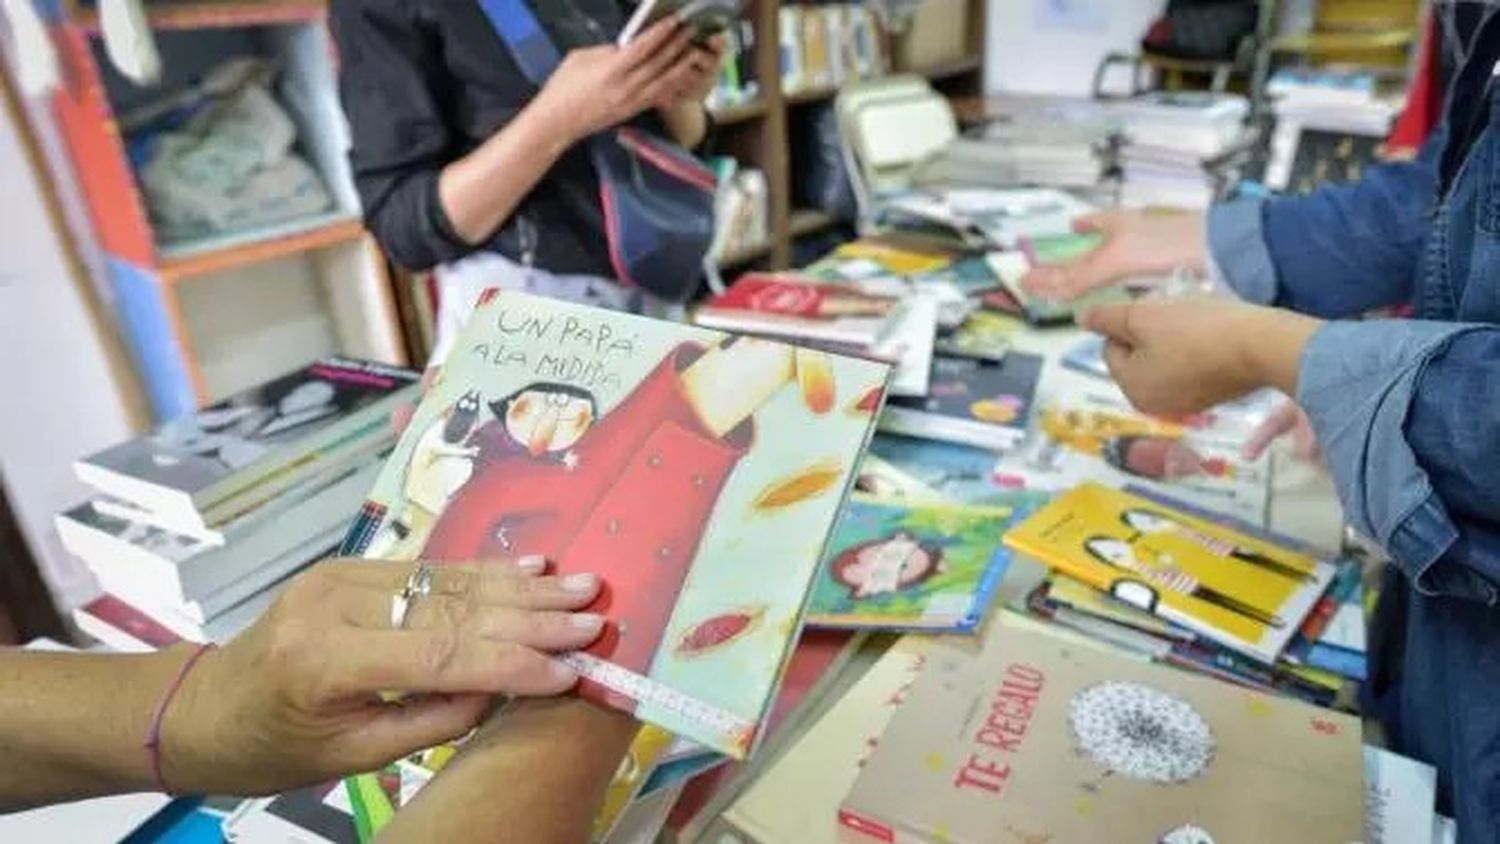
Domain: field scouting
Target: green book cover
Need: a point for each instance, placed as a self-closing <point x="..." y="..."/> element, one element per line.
<point x="916" y="566"/>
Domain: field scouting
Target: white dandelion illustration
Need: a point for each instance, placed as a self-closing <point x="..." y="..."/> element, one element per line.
<point x="1140" y="732"/>
<point x="1187" y="834"/>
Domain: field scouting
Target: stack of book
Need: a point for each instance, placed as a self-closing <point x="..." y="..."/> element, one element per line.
<point x="824" y="46"/>
<point x="1047" y="144"/>
<point x="1182" y="149"/>
<point x="1330" y="126"/>
<point x="197" y="523"/>
<point x="980" y="218"/>
<point x="737" y="84"/>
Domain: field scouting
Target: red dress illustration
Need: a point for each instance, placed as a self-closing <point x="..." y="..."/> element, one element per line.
<point x="629" y="502"/>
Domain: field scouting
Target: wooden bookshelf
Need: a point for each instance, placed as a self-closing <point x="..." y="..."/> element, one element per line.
<point x="758" y="135"/>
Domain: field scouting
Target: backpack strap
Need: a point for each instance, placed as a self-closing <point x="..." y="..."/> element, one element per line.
<point x="523" y="35"/>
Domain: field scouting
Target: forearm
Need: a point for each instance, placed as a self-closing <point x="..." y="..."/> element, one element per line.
<point x="537" y="772"/>
<point x="74" y="725"/>
<point x="481" y="190"/>
<point x="687" y="121"/>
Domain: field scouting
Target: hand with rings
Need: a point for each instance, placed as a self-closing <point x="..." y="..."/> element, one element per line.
<point x="298" y="698"/>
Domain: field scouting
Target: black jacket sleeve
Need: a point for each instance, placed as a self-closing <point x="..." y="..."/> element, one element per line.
<point x="393" y="84"/>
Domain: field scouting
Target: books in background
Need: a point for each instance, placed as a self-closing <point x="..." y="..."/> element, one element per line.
<point x="1240" y="591"/>
<point x="555" y="430"/>
<point x="195" y="474"/>
<point x="1330" y="126"/>
<point x="970" y="402"/>
<point x="786" y="306"/>
<point x="898" y="565"/>
<point x="1183" y="149"/>
<point x="737" y="84"/>
<point x="979" y="217"/>
<point x="741" y="211"/>
<point x="1030" y="736"/>
<point x="1064" y="147"/>
<point x="825" y="45"/>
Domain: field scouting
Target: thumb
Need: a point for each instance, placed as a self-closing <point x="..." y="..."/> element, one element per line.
<point x="400" y="729"/>
<point x="1111" y="321"/>
<point x="1281" y="420"/>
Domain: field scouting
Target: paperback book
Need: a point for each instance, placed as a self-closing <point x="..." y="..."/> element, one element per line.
<point x="198" y="471"/>
<point x="793" y="308"/>
<point x="698" y="474"/>
<point x="1032" y="739"/>
<point x="970" y="402"/>
<point x="901" y="566"/>
<point x="1243" y="592"/>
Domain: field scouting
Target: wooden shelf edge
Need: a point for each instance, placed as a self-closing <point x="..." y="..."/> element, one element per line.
<point x="811" y="95"/>
<point x="175" y="270"/>
<point x="955" y="67"/>
<point x="729" y="115"/>
<point x="202" y="14"/>
<point x="806" y="221"/>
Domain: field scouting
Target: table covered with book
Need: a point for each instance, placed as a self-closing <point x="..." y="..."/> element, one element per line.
<point x="966" y="592"/>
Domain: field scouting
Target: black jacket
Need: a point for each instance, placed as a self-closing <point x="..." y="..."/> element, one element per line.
<point x="423" y="83"/>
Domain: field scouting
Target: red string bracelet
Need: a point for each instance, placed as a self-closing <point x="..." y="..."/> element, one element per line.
<point x="153" y="733"/>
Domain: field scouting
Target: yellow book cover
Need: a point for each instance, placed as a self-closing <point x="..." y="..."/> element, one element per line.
<point x="1244" y="593"/>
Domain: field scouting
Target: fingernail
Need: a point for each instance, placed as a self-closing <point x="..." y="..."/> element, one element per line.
<point x="590" y="621"/>
<point x="580" y="582"/>
<point x="563" y="673"/>
<point x="532" y="563"/>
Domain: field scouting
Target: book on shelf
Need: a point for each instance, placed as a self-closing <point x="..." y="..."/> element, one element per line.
<point x="199" y="471"/>
<point x="795" y="797"/>
<point x="1030" y="736"/>
<point x="737" y="84"/>
<point x="1241" y="591"/>
<point x="1094" y="434"/>
<point x="135" y="559"/>
<point x="787" y="306"/>
<point x="970" y="402"/>
<point x="704" y="17"/>
<point x="742" y="210"/>
<point x="556" y="429"/>
<point x="910" y="566"/>
<point x="827" y="44"/>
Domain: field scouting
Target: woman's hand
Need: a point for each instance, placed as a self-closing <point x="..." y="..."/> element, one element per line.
<point x="1181" y="356"/>
<point x="297" y="698"/>
<point x="1135" y="244"/>
<point x="598" y="87"/>
<point x="1286" y="419"/>
<point x="697" y="72"/>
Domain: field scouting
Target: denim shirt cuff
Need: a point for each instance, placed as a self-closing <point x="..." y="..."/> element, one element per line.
<point x="1357" y="382"/>
<point x="1237" y="252"/>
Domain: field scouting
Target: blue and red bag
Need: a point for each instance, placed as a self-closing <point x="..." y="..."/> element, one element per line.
<point x="657" y="198"/>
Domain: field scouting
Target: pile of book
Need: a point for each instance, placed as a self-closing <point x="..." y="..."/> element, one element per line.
<point x="1330" y="125"/>
<point x="826" y="45"/>
<point x="1182" y="149"/>
<point x="1045" y="143"/>
<point x="198" y="523"/>
<point x="737" y="84"/>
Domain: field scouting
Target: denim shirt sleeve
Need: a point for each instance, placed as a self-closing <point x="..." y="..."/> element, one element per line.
<point x="1383" y="396"/>
<point x="1339" y="251"/>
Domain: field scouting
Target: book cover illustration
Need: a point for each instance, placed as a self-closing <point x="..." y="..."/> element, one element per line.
<point x="1247" y="594"/>
<point x="192" y="453"/>
<point x="910" y="566"/>
<point x="1098" y="440"/>
<point x="697" y="473"/>
<point x="1036" y="739"/>
<point x="984" y="335"/>
<point x="958" y="473"/>
<point x="978" y="403"/>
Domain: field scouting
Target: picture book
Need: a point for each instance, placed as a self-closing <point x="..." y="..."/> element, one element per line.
<point x="201" y="469"/>
<point x="1034" y="739"/>
<point x="1063" y="591"/>
<point x="894" y="259"/>
<point x="958" y="473"/>
<point x="970" y="402"/>
<point x="984" y="335"/>
<point x="698" y="474"/>
<point x="1240" y="591"/>
<point x="794" y="799"/>
<point x="1096" y="436"/>
<point x="705" y="17"/>
<point x="1012" y="267"/>
<point x="1400" y="794"/>
<point x="796" y="308"/>
<point x="903" y="566"/>
<point x="880" y="479"/>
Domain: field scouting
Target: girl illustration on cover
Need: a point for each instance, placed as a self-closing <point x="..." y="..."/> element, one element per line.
<point x="886" y="565"/>
<point x="1153" y="523"/>
<point x="1120" y="554"/>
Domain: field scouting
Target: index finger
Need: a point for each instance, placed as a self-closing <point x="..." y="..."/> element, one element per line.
<point x="1112" y="321"/>
<point x="649" y="41"/>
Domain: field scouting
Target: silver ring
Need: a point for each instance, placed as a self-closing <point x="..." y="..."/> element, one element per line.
<point x="418" y="585"/>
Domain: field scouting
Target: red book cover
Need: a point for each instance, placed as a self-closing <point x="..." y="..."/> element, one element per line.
<point x="790" y="296"/>
<point x="132" y="622"/>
